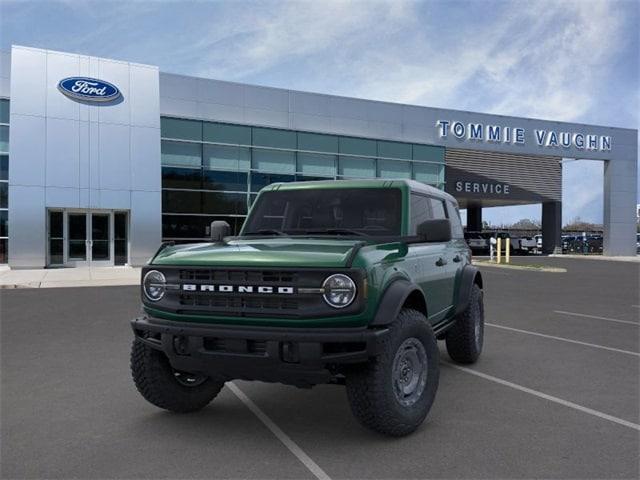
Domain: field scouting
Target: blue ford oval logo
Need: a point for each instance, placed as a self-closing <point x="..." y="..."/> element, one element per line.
<point x="89" y="89"/>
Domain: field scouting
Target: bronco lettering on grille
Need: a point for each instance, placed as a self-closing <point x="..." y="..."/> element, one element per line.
<point x="264" y="289"/>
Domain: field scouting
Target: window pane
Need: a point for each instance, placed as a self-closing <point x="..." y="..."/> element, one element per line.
<point x="370" y="211"/>
<point x="56" y="252"/>
<point x="271" y="137"/>
<point x="419" y="211"/>
<point x="197" y="228"/>
<point x="120" y="226"/>
<point x="179" y="153"/>
<point x="275" y="161"/>
<point x="393" y="169"/>
<point x="227" y="158"/>
<point x="358" y="146"/>
<point x="394" y="150"/>
<point x="4" y="193"/>
<point x="223" y="133"/>
<point x="311" y="178"/>
<point x="428" y="173"/>
<point x="318" y="143"/>
<point x="182" y="178"/>
<point x="4" y="111"/>
<point x="428" y="153"/>
<point x="456" y="224"/>
<point x="357" y="167"/>
<point x="217" y="180"/>
<point x="437" y="208"/>
<point x="4" y="251"/>
<point x="4" y="167"/>
<point x="55" y="225"/>
<point x="317" y="164"/>
<point x="181" y="202"/>
<point x="4" y="139"/>
<point x="261" y="180"/>
<point x="4" y="223"/>
<point x="229" y="203"/>
<point x="183" y="129"/>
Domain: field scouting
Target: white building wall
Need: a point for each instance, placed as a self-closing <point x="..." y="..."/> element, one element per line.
<point x="71" y="154"/>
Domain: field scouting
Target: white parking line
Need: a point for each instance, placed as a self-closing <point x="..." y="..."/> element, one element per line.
<point x="562" y="339"/>
<point x="280" y="435"/>
<point x="596" y="317"/>
<point x="551" y="398"/>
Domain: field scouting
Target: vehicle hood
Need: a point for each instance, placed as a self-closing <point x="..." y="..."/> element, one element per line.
<point x="267" y="252"/>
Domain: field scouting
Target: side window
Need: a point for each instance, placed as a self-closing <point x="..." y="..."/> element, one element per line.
<point x="456" y="224"/>
<point x="437" y="209"/>
<point x="420" y="211"/>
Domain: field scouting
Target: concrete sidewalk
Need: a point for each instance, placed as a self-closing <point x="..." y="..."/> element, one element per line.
<point x="69" y="277"/>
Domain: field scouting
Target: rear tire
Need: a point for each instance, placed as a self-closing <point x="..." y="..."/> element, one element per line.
<point x="465" y="339"/>
<point x="394" y="392"/>
<point x="166" y="388"/>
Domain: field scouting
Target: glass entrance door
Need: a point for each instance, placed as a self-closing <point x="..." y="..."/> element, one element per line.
<point x="77" y="239"/>
<point x="87" y="238"/>
<point x="100" y="241"/>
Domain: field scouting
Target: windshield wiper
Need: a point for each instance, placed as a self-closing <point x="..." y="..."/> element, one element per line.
<point x="338" y="231"/>
<point x="268" y="231"/>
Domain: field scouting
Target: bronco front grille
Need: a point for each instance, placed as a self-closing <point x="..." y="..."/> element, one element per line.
<point x="240" y="292"/>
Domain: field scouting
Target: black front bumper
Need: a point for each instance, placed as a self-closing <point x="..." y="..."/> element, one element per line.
<point x="296" y="356"/>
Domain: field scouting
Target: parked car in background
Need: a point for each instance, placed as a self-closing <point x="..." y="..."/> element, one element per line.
<point x="528" y="245"/>
<point x="477" y="242"/>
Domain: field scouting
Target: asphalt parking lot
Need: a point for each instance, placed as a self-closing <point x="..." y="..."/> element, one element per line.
<point x="556" y="394"/>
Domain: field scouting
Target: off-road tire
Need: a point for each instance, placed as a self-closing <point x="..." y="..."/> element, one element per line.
<point x="462" y="344"/>
<point x="370" y="387"/>
<point x="155" y="380"/>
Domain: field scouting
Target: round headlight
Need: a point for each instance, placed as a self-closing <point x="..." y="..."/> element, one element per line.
<point x="339" y="290"/>
<point x="153" y="285"/>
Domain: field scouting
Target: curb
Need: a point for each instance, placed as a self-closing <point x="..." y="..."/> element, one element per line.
<point x="521" y="267"/>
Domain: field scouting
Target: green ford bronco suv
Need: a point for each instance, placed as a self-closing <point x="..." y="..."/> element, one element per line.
<point x="348" y="282"/>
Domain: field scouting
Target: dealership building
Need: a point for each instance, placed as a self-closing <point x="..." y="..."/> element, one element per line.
<point x="101" y="160"/>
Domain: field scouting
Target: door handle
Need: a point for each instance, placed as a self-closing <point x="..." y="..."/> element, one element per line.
<point x="457" y="258"/>
<point x="441" y="262"/>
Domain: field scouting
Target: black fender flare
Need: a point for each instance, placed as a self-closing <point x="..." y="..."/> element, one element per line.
<point x="392" y="301"/>
<point x="470" y="275"/>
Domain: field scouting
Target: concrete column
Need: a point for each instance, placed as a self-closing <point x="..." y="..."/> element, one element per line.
<point x="474" y="218"/>
<point x="552" y="227"/>
<point x="620" y="198"/>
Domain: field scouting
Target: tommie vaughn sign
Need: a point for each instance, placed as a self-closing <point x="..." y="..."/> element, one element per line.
<point x="88" y="89"/>
<point x="478" y="132"/>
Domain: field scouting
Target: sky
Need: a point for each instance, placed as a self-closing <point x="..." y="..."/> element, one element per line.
<point x="558" y="60"/>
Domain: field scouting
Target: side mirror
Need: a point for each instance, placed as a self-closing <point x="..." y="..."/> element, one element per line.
<point x="219" y="230"/>
<point x="435" y="230"/>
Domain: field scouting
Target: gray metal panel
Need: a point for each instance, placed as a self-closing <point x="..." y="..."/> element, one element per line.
<point x="62" y="165"/>
<point x="145" y="155"/>
<point x="27" y="238"/>
<point x="146" y="226"/>
<point x="28" y="81"/>
<point x="5" y="73"/>
<point x="115" y="156"/>
<point x="27" y="142"/>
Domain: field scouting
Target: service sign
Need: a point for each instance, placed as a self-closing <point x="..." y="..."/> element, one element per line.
<point x="88" y="89"/>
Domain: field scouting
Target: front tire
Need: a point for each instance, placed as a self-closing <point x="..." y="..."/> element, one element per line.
<point x="465" y="339"/>
<point x="167" y="388"/>
<point x="395" y="391"/>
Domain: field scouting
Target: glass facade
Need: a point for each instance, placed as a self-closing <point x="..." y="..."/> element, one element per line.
<point x="212" y="171"/>
<point x="4" y="180"/>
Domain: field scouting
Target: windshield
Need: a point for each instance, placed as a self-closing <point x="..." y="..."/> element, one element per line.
<point x="335" y="211"/>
